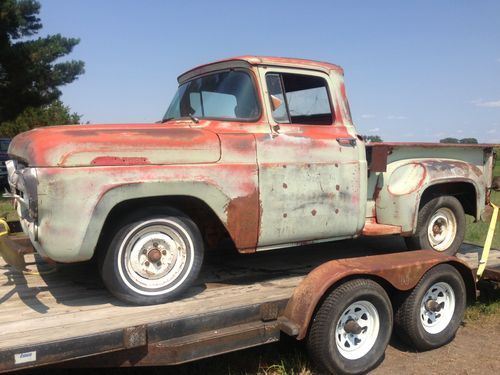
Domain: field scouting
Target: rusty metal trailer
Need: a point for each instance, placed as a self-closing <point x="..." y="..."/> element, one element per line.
<point x="68" y="317"/>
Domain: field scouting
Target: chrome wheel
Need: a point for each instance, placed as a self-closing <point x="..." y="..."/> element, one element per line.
<point x="437" y="307"/>
<point x="154" y="255"/>
<point x="357" y="330"/>
<point x="442" y="229"/>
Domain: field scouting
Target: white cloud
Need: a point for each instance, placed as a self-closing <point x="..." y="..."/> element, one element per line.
<point x="396" y="117"/>
<point x="368" y="116"/>
<point x="491" y="131"/>
<point x="486" y="103"/>
<point x="374" y="130"/>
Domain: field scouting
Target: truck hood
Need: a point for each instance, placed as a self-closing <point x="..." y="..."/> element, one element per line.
<point x="128" y="144"/>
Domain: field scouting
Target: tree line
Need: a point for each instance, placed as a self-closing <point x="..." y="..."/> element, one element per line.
<point x="31" y="71"/>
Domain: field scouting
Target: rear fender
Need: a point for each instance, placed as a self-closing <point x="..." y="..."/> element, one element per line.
<point x="401" y="270"/>
<point x="400" y="189"/>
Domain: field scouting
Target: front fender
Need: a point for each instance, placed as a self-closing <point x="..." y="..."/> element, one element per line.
<point x="401" y="270"/>
<point x="402" y="186"/>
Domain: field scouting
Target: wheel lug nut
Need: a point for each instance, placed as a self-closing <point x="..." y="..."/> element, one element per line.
<point x="146" y="263"/>
<point x="155" y="244"/>
<point x="144" y="251"/>
<point x="158" y="264"/>
<point x="164" y="252"/>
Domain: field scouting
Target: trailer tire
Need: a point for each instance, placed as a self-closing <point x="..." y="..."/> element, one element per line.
<point x="417" y="321"/>
<point x="440" y="226"/>
<point x="335" y="343"/>
<point x="153" y="256"/>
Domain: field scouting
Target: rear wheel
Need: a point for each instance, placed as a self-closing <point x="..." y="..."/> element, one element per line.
<point x="352" y="327"/>
<point x="440" y="226"/>
<point x="153" y="257"/>
<point x="430" y="315"/>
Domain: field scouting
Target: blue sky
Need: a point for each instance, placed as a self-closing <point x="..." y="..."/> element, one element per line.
<point x="414" y="70"/>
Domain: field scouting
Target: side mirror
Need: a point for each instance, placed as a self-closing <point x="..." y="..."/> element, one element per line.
<point x="275" y="102"/>
<point x="495" y="185"/>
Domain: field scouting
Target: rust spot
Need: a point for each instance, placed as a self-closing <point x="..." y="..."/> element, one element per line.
<point x="285" y="185"/>
<point x="314" y="212"/>
<point x="336" y="210"/>
<point x="284" y="166"/>
<point x="336" y="165"/>
<point x="243" y="216"/>
<point x="285" y="214"/>
<point x="112" y="160"/>
<point x="337" y="187"/>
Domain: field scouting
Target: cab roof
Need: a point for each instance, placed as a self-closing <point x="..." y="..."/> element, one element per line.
<point x="262" y="60"/>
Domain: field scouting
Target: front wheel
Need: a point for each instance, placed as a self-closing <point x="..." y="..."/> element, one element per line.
<point x="351" y="329"/>
<point x="153" y="256"/>
<point x="440" y="226"/>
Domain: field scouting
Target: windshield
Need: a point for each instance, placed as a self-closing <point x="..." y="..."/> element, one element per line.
<point x="4" y="145"/>
<point x="225" y="95"/>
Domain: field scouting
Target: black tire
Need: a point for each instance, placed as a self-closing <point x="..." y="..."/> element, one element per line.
<point x="420" y="240"/>
<point x="162" y="267"/>
<point x="409" y="317"/>
<point x="322" y="343"/>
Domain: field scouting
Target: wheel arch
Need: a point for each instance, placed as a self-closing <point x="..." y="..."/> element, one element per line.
<point x="396" y="273"/>
<point x="197" y="202"/>
<point x="464" y="189"/>
<point x="210" y="225"/>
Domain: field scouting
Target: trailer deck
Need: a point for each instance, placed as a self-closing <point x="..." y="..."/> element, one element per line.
<point x="236" y="303"/>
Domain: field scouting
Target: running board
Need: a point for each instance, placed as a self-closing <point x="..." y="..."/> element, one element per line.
<point x="373" y="228"/>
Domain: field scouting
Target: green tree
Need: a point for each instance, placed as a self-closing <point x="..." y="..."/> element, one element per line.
<point x="373" y="138"/>
<point x="31" y="117"/>
<point x="29" y="73"/>
<point x="468" y="141"/>
<point x="449" y="140"/>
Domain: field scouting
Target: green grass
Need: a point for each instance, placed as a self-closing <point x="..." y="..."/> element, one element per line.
<point x="7" y="209"/>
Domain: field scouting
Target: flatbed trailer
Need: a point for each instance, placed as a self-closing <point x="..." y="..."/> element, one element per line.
<point x="239" y="302"/>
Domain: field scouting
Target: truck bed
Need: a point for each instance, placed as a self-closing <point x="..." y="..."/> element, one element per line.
<point x="68" y="314"/>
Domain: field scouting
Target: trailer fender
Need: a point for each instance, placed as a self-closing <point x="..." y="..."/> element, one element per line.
<point x="401" y="270"/>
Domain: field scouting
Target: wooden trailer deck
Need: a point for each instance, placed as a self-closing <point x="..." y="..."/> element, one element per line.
<point x="68" y="314"/>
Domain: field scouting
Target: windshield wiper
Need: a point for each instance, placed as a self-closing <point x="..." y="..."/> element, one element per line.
<point x="192" y="117"/>
<point x="195" y="119"/>
<point x="165" y="120"/>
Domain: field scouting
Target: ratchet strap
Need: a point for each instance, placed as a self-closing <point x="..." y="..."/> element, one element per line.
<point x="12" y="252"/>
<point x="487" y="244"/>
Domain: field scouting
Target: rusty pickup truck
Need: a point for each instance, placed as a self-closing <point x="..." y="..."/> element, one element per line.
<point x="259" y="150"/>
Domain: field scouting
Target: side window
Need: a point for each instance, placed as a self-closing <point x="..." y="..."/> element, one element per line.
<point x="306" y="99"/>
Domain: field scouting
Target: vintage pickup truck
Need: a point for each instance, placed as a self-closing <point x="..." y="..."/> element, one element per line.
<point x="260" y="150"/>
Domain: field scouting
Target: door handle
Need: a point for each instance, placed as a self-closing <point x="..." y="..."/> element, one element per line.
<point x="347" y="141"/>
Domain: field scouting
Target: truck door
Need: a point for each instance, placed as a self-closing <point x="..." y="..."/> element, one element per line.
<point x="309" y="163"/>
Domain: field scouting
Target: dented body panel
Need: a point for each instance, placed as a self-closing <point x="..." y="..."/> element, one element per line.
<point x="268" y="184"/>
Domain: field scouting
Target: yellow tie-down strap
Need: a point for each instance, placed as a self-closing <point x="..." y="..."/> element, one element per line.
<point x="487" y="243"/>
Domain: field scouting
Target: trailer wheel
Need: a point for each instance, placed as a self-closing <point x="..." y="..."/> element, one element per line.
<point x="351" y="328"/>
<point x="440" y="226"/>
<point x="154" y="255"/>
<point x="430" y="315"/>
